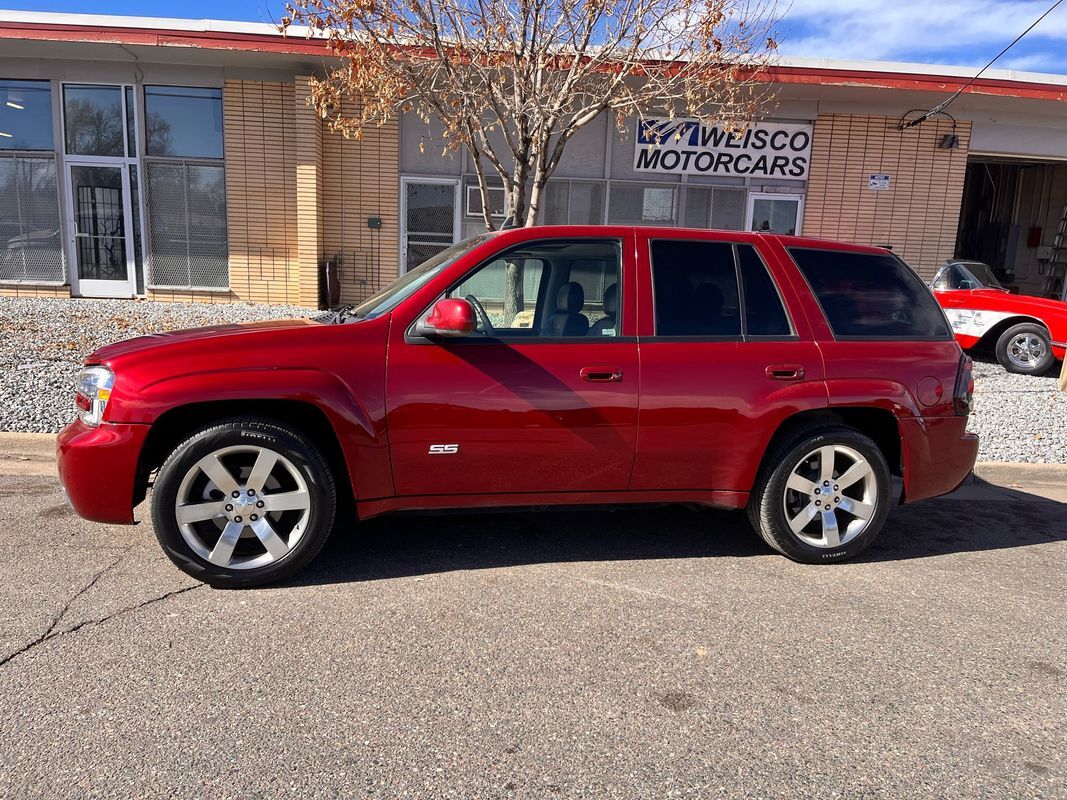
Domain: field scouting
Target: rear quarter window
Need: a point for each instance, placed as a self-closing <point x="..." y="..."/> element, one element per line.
<point x="871" y="295"/>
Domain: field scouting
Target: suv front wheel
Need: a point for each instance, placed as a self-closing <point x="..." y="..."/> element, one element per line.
<point x="823" y="495"/>
<point x="243" y="503"/>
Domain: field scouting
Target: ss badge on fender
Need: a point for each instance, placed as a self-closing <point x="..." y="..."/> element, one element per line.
<point x="443" y="449"/>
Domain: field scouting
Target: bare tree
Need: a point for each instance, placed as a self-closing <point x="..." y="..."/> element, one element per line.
<point x="513" y="81"/>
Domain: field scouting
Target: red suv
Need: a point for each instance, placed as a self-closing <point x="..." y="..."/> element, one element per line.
<point x="540" y="366"/>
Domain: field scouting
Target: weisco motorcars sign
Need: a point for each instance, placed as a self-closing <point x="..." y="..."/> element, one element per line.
<point x="685" y="146"/>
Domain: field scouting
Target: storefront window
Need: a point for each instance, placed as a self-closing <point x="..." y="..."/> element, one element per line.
<point x="187" y="224"/>
<point x="26" y="115"/>
<point x="30" y="244"/>
<point x="637" y="204"/>
<point x="93" y="120"/>
<point x="183" y="122"/>
<point x="574" y="203"/>
<point x="715" y="207"/>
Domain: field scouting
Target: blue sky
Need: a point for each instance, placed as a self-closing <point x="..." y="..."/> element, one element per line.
<point x="960" y="32"/>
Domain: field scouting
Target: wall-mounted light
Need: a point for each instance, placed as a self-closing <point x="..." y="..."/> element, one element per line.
<point x="949" y="141"/>
<point x="6" y="135"/>
<point x="13" y="104"/>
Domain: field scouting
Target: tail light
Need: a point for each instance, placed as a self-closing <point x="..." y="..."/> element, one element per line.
<point x="963" y="394"/>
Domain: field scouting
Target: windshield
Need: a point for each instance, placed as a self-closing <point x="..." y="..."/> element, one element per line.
<point x="410" y="282"/>
<point x="983" y="274"/>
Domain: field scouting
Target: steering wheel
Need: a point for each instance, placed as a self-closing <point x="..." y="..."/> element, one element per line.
<point x="479" y="309"/>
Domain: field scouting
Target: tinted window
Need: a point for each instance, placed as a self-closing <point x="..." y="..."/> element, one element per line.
<point x="26" y="115"/>
<point x="871" y="295"/>
<point x="695" y="288"/>
<point x="183" y="121"/>
<point x="764" y="313"/>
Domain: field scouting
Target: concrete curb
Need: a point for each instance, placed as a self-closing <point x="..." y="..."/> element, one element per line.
<point x="1009" y="472"/>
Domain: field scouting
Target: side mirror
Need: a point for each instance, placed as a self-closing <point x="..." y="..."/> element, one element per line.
<point x="449" y="317"/>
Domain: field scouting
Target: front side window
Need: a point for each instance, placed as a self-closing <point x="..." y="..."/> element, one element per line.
<point x="547" y="289"/>
<point x="183" y="122"/>
<point x="694" y="286"/>
<point x="871" y="295"/>
<point x="26" y="115"/>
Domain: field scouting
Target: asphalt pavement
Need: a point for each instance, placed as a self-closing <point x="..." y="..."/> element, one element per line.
<point x="640" y="654"/>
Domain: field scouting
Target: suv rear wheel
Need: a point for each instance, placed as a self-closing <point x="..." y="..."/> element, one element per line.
<point x="243" y="503"/>
<point x="1025" y="349"/>
<point x="822" y="496"/>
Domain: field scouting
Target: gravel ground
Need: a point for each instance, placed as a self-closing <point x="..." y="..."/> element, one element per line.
<point x="1019" y="417"/>
<point x="42" y="343"/>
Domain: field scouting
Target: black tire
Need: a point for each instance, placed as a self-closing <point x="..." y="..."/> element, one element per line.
<point x="311" y="525"/>
<point x="767" y="509"/>
<point x="1026" y="364"/>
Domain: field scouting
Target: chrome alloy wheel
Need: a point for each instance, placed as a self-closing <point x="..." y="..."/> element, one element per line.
<point x="1026" y="350"/>
<point x="242" y="507"/>
<point x="830" y="496"/>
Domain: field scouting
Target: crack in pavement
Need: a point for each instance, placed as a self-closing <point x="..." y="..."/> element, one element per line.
<point x="52" y="633"/>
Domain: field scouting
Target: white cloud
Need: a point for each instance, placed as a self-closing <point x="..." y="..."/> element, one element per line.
<point x="956" y="31"/>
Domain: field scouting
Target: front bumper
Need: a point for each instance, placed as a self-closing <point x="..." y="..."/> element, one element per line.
<point x="98" y="469"/>
<point x="938" y="453"/>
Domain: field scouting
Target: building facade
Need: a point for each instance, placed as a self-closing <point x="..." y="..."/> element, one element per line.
<point x="178" y="160"/>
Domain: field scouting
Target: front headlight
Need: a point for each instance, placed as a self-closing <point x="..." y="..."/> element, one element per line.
<point x="93" y="392"/>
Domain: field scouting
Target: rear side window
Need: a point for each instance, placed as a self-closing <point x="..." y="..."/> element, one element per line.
<point x="764" y="312"/>
<point x="871" y="295"/>
<point x="695" y="288"/>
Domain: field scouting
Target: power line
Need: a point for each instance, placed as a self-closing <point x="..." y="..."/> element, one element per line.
<point x="946" y="103"/>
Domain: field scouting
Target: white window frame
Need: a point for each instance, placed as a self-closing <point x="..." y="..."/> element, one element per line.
<point x="94" y="288"/>
<point x="754" y="196"/>
<point x="472" y="192"/>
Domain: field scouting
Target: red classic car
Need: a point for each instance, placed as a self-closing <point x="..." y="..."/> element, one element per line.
<point x="1027" y="333"/>
<point x="533" y="367"/>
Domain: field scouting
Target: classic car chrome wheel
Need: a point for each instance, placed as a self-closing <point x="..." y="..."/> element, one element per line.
<point x="830" y="496"/>
<point x="1026" y="350"/>
<point x="242" y="507"/>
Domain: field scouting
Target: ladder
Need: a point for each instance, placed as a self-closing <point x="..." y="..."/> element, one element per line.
<point x="1055" y="282"/>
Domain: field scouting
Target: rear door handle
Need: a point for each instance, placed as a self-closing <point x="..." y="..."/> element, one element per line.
<point x="785" y="372"/>
<point x="600" y="374"/>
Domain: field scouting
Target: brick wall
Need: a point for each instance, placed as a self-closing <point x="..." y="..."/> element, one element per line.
<point x="33" y="290"/>
<point x="918" y="215"/>
<point x="361" y="179"/>
<point x="259" y="121"/>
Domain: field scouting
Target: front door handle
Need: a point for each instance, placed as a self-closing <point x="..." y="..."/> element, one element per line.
<point x="600" y="374"/>
<point x="785" y="372"/>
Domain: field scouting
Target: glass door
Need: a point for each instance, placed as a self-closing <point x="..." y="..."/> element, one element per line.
<point x="775" y="213"/>
<point x="100" y="217"/>
<point x="431" y="219"/>
<point x="100" y="143"/>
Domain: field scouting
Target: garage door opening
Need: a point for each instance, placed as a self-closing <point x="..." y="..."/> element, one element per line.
<point x="1012" y="219"/>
